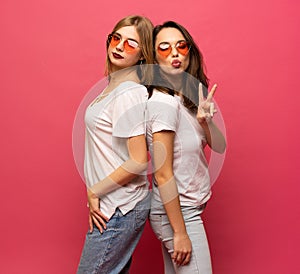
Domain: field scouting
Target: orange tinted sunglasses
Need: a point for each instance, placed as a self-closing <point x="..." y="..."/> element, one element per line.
<point x="114" y="39"/>
<point x="165" y="48"/>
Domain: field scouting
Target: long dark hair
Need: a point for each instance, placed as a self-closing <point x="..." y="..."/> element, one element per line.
<point x="193" y="74"/>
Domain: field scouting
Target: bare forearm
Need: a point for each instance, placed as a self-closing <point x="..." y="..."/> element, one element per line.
<point x="214" y="136"/>
<point x="118" y="178"/>
<point x="175" y="216"/>
<point x="170" y="198"/>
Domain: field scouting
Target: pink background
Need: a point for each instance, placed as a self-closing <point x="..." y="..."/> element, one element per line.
<point x="52" y="53"/>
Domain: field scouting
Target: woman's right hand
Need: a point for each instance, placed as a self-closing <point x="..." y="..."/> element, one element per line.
<point x="96" y="216"/>
<point x="206" y="108"/>
<point x="182" y="248"/>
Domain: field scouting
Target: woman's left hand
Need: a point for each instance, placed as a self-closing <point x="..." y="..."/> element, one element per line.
<point x="182" y="248"/>
<point x="96" y="216"/>
<point x="206" y="108"/>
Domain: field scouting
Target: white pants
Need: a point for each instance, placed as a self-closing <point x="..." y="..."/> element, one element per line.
<point x="200" y="262"/>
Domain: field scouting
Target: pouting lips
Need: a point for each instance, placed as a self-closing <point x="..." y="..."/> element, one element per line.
<point x="176" y="63"/>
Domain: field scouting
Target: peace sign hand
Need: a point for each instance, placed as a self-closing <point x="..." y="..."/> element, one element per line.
<point x="206" y="108"/>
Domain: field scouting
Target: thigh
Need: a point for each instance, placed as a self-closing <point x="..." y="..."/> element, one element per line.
<point x="168" y="262"/>
<point x="97" y="248"/>
<point x="111" y="251"/>
<point x="155" y="222"/>
<point x="163" y="231"/>
<point x="200" y="262"/>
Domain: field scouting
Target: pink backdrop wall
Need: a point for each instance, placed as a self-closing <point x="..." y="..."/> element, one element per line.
<point x="52" y="52"/>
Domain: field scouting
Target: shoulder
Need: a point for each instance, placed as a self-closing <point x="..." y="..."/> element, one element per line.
<point x="130" y="91"/>
<point x="160" y="97"/>
<point x="163" y="106"/>
<point x="131" y="86"/>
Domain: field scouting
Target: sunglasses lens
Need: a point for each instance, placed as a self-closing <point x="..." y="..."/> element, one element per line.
<point x="130" y="45"/>
<point x="164" y="49"/>
<point x="183" y="47"/>
<point x="114" y="40"/>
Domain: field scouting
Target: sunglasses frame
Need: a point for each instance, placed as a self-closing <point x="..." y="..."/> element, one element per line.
<point x="126" y="44"/>
<point x="166" y="52"/>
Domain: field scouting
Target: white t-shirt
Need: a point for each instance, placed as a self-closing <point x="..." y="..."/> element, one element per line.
<point x="166" y="112"/>
<point x="109" y="124"/>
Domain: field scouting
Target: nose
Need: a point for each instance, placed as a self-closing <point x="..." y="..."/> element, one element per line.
<point x="174" y="51"/>
<point x="120" y="46"/>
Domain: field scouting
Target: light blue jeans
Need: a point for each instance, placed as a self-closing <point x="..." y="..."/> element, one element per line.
<point x="200" y="262"/>
<point x="111" y="251"/>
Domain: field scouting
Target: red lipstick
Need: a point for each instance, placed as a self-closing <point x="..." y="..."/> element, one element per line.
<point x="117" y="56"/>
<point x="176" y="63"/>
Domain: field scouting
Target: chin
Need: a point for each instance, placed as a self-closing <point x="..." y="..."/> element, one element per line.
<point x="173" y="71"/>
<point x="176" y="72"/>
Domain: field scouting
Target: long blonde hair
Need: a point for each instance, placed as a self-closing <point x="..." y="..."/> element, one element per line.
<point x="144" y="28"/>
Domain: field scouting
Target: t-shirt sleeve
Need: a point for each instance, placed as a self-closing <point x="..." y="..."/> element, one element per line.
<point x="128" y="117"/>
<point x="163" y="113"/>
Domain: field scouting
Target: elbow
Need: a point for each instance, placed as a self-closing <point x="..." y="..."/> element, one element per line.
<point x="141" y="167"/>
<point x="136" y="167"/>
<point x="167" y="187"/>
<point x="163" y="177"/>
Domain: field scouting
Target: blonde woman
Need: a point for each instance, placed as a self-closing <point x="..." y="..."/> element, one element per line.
<point x="116" y="154"/>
